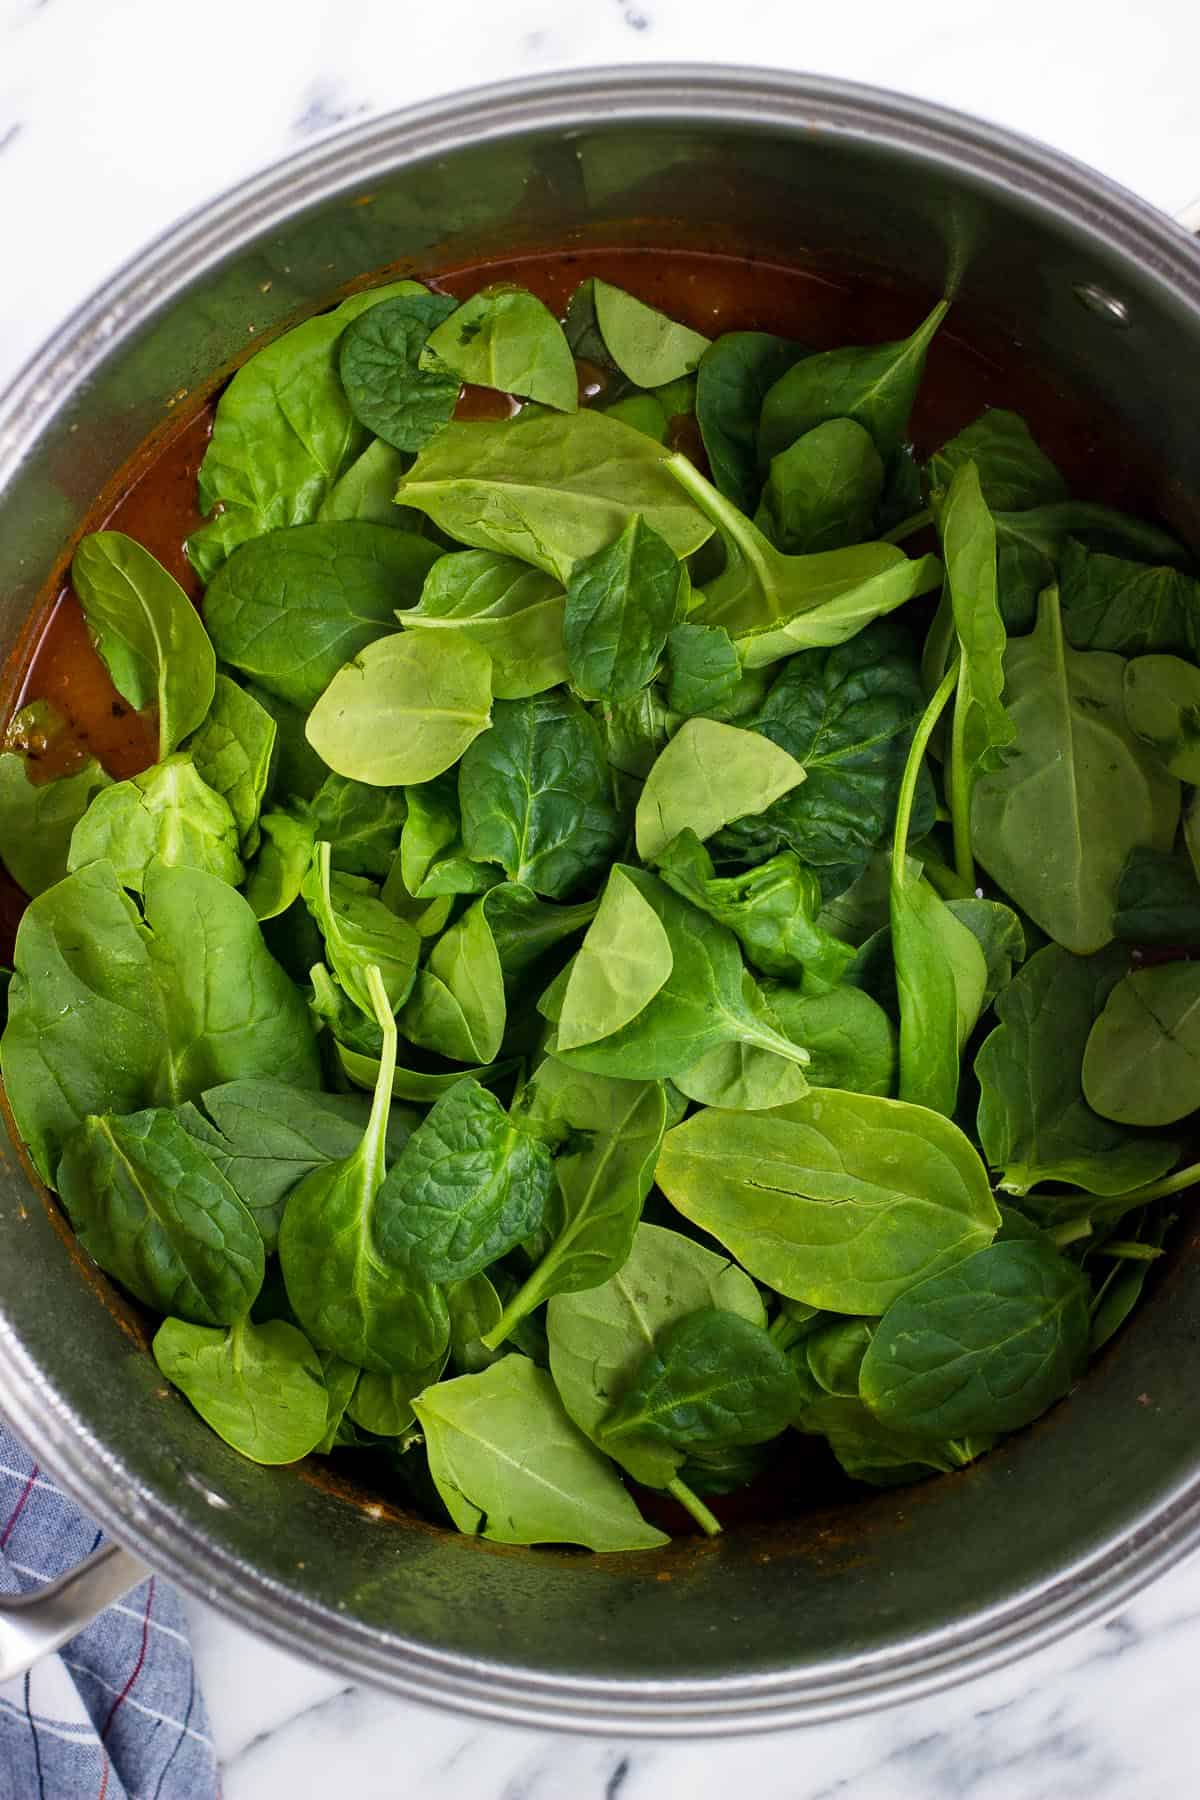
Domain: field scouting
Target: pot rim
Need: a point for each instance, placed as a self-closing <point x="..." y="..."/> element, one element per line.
<point x="1065" y="193"/>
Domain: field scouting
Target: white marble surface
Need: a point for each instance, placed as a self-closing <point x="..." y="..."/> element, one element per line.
<point x="118" y="115"/>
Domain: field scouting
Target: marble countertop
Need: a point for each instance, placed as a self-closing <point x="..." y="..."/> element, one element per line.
<point x="118" y="115"/>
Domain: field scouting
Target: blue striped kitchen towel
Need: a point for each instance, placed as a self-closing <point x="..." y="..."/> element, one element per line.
<point x="117" y="1714"/>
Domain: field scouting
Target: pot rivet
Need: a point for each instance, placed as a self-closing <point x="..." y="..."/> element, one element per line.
<point x="1106" y="306"/>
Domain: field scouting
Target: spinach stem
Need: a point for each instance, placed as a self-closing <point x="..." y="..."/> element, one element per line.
<point x="1156" y="1190"/>
<point x="707" y="1521"/>
<point x="914" y="522"/>
<point x="912" y="770"/>
<point x="959" y="785"/>
<point x="1070" y="1231"/>
<point x="381" y="1104"/>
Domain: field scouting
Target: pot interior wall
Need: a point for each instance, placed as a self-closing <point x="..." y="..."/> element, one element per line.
<point x="355" y="1578"/>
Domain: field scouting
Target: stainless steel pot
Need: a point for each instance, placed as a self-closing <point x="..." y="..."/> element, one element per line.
<point x="842" y="1611"/>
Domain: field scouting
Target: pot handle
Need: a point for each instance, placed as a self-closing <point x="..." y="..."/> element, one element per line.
<point x="34" y="1625"/>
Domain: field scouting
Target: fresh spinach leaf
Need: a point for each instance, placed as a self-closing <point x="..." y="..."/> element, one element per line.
<point x="290" y="608"/>
<point x="1000" y="936"/>
<point x="1158" y="901"/>
<point x="599" y="1337"/>
<point x="232" y="752"/>
<point x="38" y="817"/>
<point x="1142" y="1061"/>
<point x="550" y="488"/>
<point x="513" y="612"/>
<point x="645" y="344"/>
<point x="457" y="1007"/>
<point x="525" y="929"/>
<point x="743" y="1077"/>
<point x="265" y="1136"/>
<point x="361" y="825"/>
<point x="834" y="1354"/>
<point x="847" y="716"/>
<point x="1109" y="603"/>
<point x="1029" y="546"/>
<point x="360" y="934"/>
<point x="602" y="1175"/>
<point x="620" y="966"/>
<point x="367" y="490"/>
<point x="634" y="732"/>
<point x="167" y="815"/>
<point x="283" y="433"/>
<point x="504" y="337"/>
<point x="941" y="971"/>
<point x="621" y="603"/>
<point x="403" y="710"/>
<point x="733" y="378"/>
<point x="773" y="605"/>
<point x="296" y="770"/>
<point x="981" y="730"/>
<point x="349" y="1297"/>
<point x="644" y="412"/>
<point x="842" y="1200"/>
<point x="422" y="1086"/>
<point x="469" y="1185"/>
<point x="382" y="1404"/>
<point x="771" y="909"/>
<point x="708" y="775"/>
<point x="510" y="1465"/>
<point x="1034" y="1123"/>
<point x="713" y="1381"/>
<point x="874" y="385"/>
<point x="147" y="633"/>
<point x="983" y="1347"/>
<point x="822" y="492"/>
<point x="404" y="396"/>
<point x="260" y="1387"/>
<point x="706" y="1000"/>
<point x="1162" y="708"/>
<point x="534" y="796"/>
<point x="850" y="1040"/>
<point x="1014" y="471"/>
<point x="109" y="1013"/>
<point x="704" y="669"/>
<point x="474" y="1310"/>
<point x="152" y="1209"/>
<point x="870" y="1451"/>
<point x="278" y="871"/>
<point x="432" y="858"/>
<point x="1079" y="786"/>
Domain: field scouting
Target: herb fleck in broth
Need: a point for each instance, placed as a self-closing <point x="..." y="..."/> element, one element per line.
<point x="757" y="917"/>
